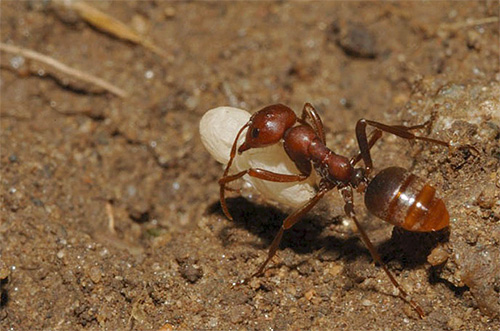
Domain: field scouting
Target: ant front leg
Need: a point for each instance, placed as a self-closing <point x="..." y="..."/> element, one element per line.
<point x="256" y="173"/>
<point x="349" y="210"/>
<point x="232" y="154"/>
<point x="398" y="130"/>
<point x="290" y="221"/>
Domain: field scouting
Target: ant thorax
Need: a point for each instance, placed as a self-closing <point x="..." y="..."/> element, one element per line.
<point x="331" y="167"/>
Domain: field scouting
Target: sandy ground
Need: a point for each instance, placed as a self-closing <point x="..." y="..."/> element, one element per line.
<point x="110" y="216"/>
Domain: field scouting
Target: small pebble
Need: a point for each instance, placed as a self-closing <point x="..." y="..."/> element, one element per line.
<point x="37" y="202"/>
<point x="191" y="272"/>
<point x="488" y="197"/>
<point x="356" y="41"/>
<point x="166" y="327"/>
<point x="95" y="274"/>
<point x="455" y="323"/>
<point x="367" y="303"/>
<point x="4" y="270"/>
<point x="438" y="256"/>
<point x="139" y="24"/>
<point x="335" y="270"/>
<point x="473" y="39"/>
<point x="254" y="283"/>
<point x="310" y="294"/>
<point x="170" y="12"/>
<point x="60" y="254"/>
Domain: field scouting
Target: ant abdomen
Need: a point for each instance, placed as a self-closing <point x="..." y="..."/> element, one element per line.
<point x="406" y="200"/>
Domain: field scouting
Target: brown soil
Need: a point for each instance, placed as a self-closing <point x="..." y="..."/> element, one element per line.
<point x="74" y="157"/>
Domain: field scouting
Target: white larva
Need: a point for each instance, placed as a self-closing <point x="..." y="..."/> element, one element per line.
<point x="218" y="129"/>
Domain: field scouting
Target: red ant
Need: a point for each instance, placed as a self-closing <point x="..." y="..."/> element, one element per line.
<point x="393" y="195"/>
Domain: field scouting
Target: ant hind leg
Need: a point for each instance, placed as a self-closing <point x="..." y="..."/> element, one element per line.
<point x="397" y="130"/>
<point x="349" y="210"/>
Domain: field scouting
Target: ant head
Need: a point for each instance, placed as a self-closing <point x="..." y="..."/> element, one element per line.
<point x="267" y="126"/>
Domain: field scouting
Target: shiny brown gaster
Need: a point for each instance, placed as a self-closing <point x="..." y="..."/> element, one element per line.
<point x="394" y="195"/>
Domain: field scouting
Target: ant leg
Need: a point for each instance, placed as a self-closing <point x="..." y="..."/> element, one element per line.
<point x="349" y="210"/>
<point x="310" y="112"/>
<point x="290" y="221"/>
<point x="403" y="132"/>
<point x="222" y="192"/>
<point x="374" y="137"/>
<point x="257" y="173"/>
<point x="398" y="130"/>
<point x="413" y="127"/>
<point x="232" y="154"/>
<point x="264" y="175"/>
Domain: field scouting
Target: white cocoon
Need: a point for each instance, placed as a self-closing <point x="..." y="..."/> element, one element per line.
<point x="218" y="129"/>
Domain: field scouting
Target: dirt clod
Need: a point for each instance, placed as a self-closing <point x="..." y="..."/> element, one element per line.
<point x="190" y="270"/>
<point x="355" y="40"/>
<point x="438" y="256"/>
<point x="489" y="196"/>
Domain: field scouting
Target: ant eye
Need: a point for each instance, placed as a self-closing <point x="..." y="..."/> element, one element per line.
<point x="255" y="133"/>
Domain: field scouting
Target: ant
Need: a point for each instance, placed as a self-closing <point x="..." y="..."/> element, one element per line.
<point x="393" y="195"/>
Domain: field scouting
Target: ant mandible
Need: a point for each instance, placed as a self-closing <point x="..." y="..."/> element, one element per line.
<point x="393" y="195"/>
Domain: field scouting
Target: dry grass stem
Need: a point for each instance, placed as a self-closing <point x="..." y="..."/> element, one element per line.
<point x="111" y="217"/>
<point x="32" y="55"/>
<point x="111" y="25"/>
<point x="471" y="22"/>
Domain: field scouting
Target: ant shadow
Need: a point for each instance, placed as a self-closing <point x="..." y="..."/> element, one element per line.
<point x="435" y="278"/>
<point x="410" y="249"/>
<point x="265" y="221"/>
<point x="405" y="249"/>
<point x="4" y="296"/>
